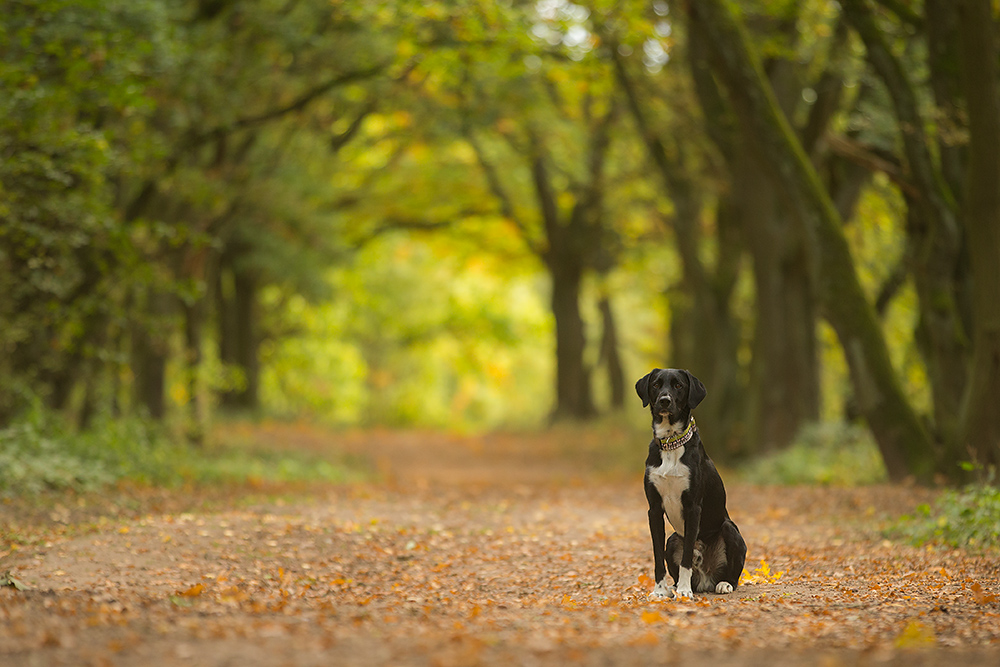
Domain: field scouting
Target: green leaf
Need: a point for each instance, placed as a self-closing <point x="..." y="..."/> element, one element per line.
<point x="8" y="580"/>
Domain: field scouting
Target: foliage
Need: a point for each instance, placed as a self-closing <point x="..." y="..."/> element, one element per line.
<point x="831" y="453"/>
<point x="968" y="517"/>
<point x="39" y="453"/>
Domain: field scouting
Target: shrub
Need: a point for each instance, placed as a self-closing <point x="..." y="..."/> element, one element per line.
<point x="832" y="453"/>
<point x="969" y="517"/>
<point x="40" y="453"/>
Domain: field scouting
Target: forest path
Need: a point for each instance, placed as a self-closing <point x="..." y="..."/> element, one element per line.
<point x="492" y="550"/>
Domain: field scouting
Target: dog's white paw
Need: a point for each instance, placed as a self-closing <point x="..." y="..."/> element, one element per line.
<point x="684" y="594"/>
<point x="723" y="587"/>
<point x="662" y="591"/>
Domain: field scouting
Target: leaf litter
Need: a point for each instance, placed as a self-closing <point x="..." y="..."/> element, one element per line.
<point x="511" y="554"/>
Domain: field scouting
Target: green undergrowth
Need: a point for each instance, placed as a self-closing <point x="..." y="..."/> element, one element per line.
<point x="968" y="517"/>
<point x="39" y="453"/>
<point x="833" y="453"/>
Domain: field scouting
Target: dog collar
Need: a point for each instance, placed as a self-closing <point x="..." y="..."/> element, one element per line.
<point x="681" y="439"/>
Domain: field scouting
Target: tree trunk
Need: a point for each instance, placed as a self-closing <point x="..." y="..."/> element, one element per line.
<point x="149" y="355"/>
<point x="236" y="308"/>
<point x="784" y="373"/>
<point x="193" y="315"/>
<point x="609" y="353"/>
<point x="934" y="236"/>
<point x="980" y="416"/>
<point x="225" y="312"/>
<point x="245" y="285"/>
<point x="703" y="334"/>
<point x="573" y="395"/>
<point x="902" y="440"/>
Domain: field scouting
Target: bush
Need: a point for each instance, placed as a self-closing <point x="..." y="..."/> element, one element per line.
<point x="969" y="517"/>
<point x="40" y="453"/>
<point x="830" y="453"/>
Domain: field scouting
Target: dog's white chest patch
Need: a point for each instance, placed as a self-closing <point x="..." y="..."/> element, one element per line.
<point x="671" y="479"/>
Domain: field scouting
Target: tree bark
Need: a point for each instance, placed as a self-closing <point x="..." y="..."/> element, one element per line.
<point x="980" y="424"/>
<point x="236" y="309"/>
<point x="149" y="355"/>
<point x="245" y="282"/>
<point x="703" y="334"/>
<point x="610" y="354"/>
<point x="934" y="236"/>
<point x="904" y="444"/>
<point x="784" y="371"/>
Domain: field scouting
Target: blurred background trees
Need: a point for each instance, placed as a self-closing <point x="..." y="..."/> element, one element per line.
<point x="479" y="215"/>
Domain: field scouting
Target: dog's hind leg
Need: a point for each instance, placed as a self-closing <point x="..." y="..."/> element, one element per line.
<point x="736" y="554"/>
<point x="674" y="550"/>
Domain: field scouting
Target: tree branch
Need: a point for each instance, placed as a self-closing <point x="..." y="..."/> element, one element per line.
<point x="869" y="158"/>
<point x="507" y="209"/>
<point x="903" y="13"/>
<point x="911" y="124"/>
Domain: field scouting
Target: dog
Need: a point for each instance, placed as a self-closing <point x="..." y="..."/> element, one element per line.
<point x="706" y="551"/>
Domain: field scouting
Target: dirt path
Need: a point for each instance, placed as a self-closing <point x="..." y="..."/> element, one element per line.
<point x="492" y="551"/>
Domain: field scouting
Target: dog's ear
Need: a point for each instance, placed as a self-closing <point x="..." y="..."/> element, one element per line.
<point x="642" y="387"/>
<point x="696" y="391"/>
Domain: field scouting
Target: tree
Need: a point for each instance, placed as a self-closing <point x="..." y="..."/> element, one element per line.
<point x="979" y="52"/>
<point x="905" y="445"/>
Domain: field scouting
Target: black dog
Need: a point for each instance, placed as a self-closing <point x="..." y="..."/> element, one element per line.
<point x="706" y="551"/>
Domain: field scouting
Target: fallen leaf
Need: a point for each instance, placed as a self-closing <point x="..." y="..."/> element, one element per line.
<point x="8" y="580"/>
<point x="192" y="592"/>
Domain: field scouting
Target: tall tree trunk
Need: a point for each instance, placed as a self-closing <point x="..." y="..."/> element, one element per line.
<point x="934" y="234"/>
<point x="703" y="333"/>
<point x="784" y="374"/>
<point x="573" y="394"/>
<point x="193" y="267"/>
<point x="904" y="444"/>
<point x="193" y="315"/>
<point x="245" y="283"/>
<point x="610" y="354"/>
<point x="225" y="313"/>
<point x="980" y="416"/>
<point x="149" y="355"/>
<point x="236" y="307"/>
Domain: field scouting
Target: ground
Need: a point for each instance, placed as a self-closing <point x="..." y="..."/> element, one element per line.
<point x="480" y="550"/>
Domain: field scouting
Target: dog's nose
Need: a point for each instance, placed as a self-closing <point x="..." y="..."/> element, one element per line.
<point x="664" y="401"/>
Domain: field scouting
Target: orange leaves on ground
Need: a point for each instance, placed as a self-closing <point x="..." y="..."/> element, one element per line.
<point x="762" y="575"/>
<point x="651" y="617"/>
<point x="981" y="597"/>
<point x="192" y="592"/>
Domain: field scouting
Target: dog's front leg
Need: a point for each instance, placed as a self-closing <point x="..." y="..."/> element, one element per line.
<point x="692" y="523"/>
<point x="657" y="532"/>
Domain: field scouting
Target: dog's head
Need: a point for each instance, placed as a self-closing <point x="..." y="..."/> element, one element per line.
<point x="670" y="392"/>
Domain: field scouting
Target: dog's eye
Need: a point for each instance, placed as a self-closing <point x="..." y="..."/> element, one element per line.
<point x="677" y="385"/>
<point x="656" y="385"/>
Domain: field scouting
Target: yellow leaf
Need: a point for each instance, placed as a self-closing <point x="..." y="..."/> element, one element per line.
<point x="915" y="635"/>
<point x="762" y="575"/>
<point x="651" y="617"/>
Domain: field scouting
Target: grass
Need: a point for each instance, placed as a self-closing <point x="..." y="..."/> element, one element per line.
<point x="39" y="454"/>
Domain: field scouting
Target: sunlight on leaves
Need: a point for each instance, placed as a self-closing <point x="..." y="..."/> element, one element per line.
<point x="761" y="575"/>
